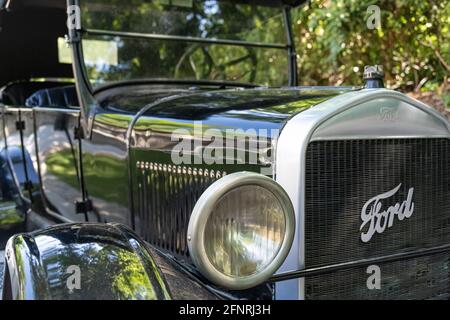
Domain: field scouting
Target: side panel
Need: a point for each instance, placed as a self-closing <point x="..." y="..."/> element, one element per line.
<point x="105" y="167"/>
<point x="57" y="154"/>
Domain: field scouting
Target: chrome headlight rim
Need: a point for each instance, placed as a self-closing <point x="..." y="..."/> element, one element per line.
<point x="203" y="210"/>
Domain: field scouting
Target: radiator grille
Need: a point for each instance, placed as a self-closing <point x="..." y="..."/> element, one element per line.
<point x="419" y="278"/>
<point x="341" y="176"/>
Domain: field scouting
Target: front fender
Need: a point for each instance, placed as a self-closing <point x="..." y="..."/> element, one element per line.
<point x="81" y="261"/>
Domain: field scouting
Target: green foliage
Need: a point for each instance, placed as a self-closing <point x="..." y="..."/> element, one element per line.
<point x="333" y="41"/>
<point x="413" y="44"/>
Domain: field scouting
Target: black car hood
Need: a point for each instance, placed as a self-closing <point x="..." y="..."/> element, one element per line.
<point x="278" y="103"/>
<point x="237" y="108"/>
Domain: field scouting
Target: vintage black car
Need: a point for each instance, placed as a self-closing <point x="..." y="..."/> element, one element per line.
<point x="163" y="149"/>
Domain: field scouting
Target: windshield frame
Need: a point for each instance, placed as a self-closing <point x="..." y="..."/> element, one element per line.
<point x="86" y="90"/>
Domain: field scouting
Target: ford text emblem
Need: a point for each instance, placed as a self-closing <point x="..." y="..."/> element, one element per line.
<point x="388" y="114"/>
<point x="376" y="218"/>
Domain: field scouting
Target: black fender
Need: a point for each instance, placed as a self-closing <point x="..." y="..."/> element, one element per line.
<point x="81" y="261"/>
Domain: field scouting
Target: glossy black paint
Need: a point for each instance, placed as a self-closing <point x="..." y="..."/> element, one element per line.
<point x="112" y="262"/>
<point x="49" y="136"/>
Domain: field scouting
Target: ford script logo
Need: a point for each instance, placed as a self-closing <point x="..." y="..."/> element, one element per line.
<point x="388" y="114"/>
<point x="376" y="218"/>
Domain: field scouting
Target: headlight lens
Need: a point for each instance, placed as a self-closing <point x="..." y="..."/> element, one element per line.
<point x="241" y="230"/>
<point x="245" y="231"/>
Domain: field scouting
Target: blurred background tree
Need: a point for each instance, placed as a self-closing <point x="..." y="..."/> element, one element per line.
<point x="413" y="44"/>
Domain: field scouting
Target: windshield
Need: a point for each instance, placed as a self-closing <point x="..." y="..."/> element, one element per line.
<point x="184" y="40"/>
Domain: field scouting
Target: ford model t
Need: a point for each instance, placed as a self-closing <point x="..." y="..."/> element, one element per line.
<point x="163" y="149"/>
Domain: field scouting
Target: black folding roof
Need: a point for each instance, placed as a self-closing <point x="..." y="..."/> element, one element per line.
<point x="28" y="42"/>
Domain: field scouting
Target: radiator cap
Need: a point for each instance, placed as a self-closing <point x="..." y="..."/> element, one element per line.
<point x="373" y="77"/>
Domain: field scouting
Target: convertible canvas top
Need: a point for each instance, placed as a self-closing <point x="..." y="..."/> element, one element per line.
<point x="28" y="39"/>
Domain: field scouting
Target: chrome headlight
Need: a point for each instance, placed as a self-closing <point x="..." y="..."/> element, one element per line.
<point x="241" y="230"/>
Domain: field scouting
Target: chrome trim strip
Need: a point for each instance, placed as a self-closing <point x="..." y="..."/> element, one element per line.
<point x="361" y="263"/>
<point x="290" y="167"/>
